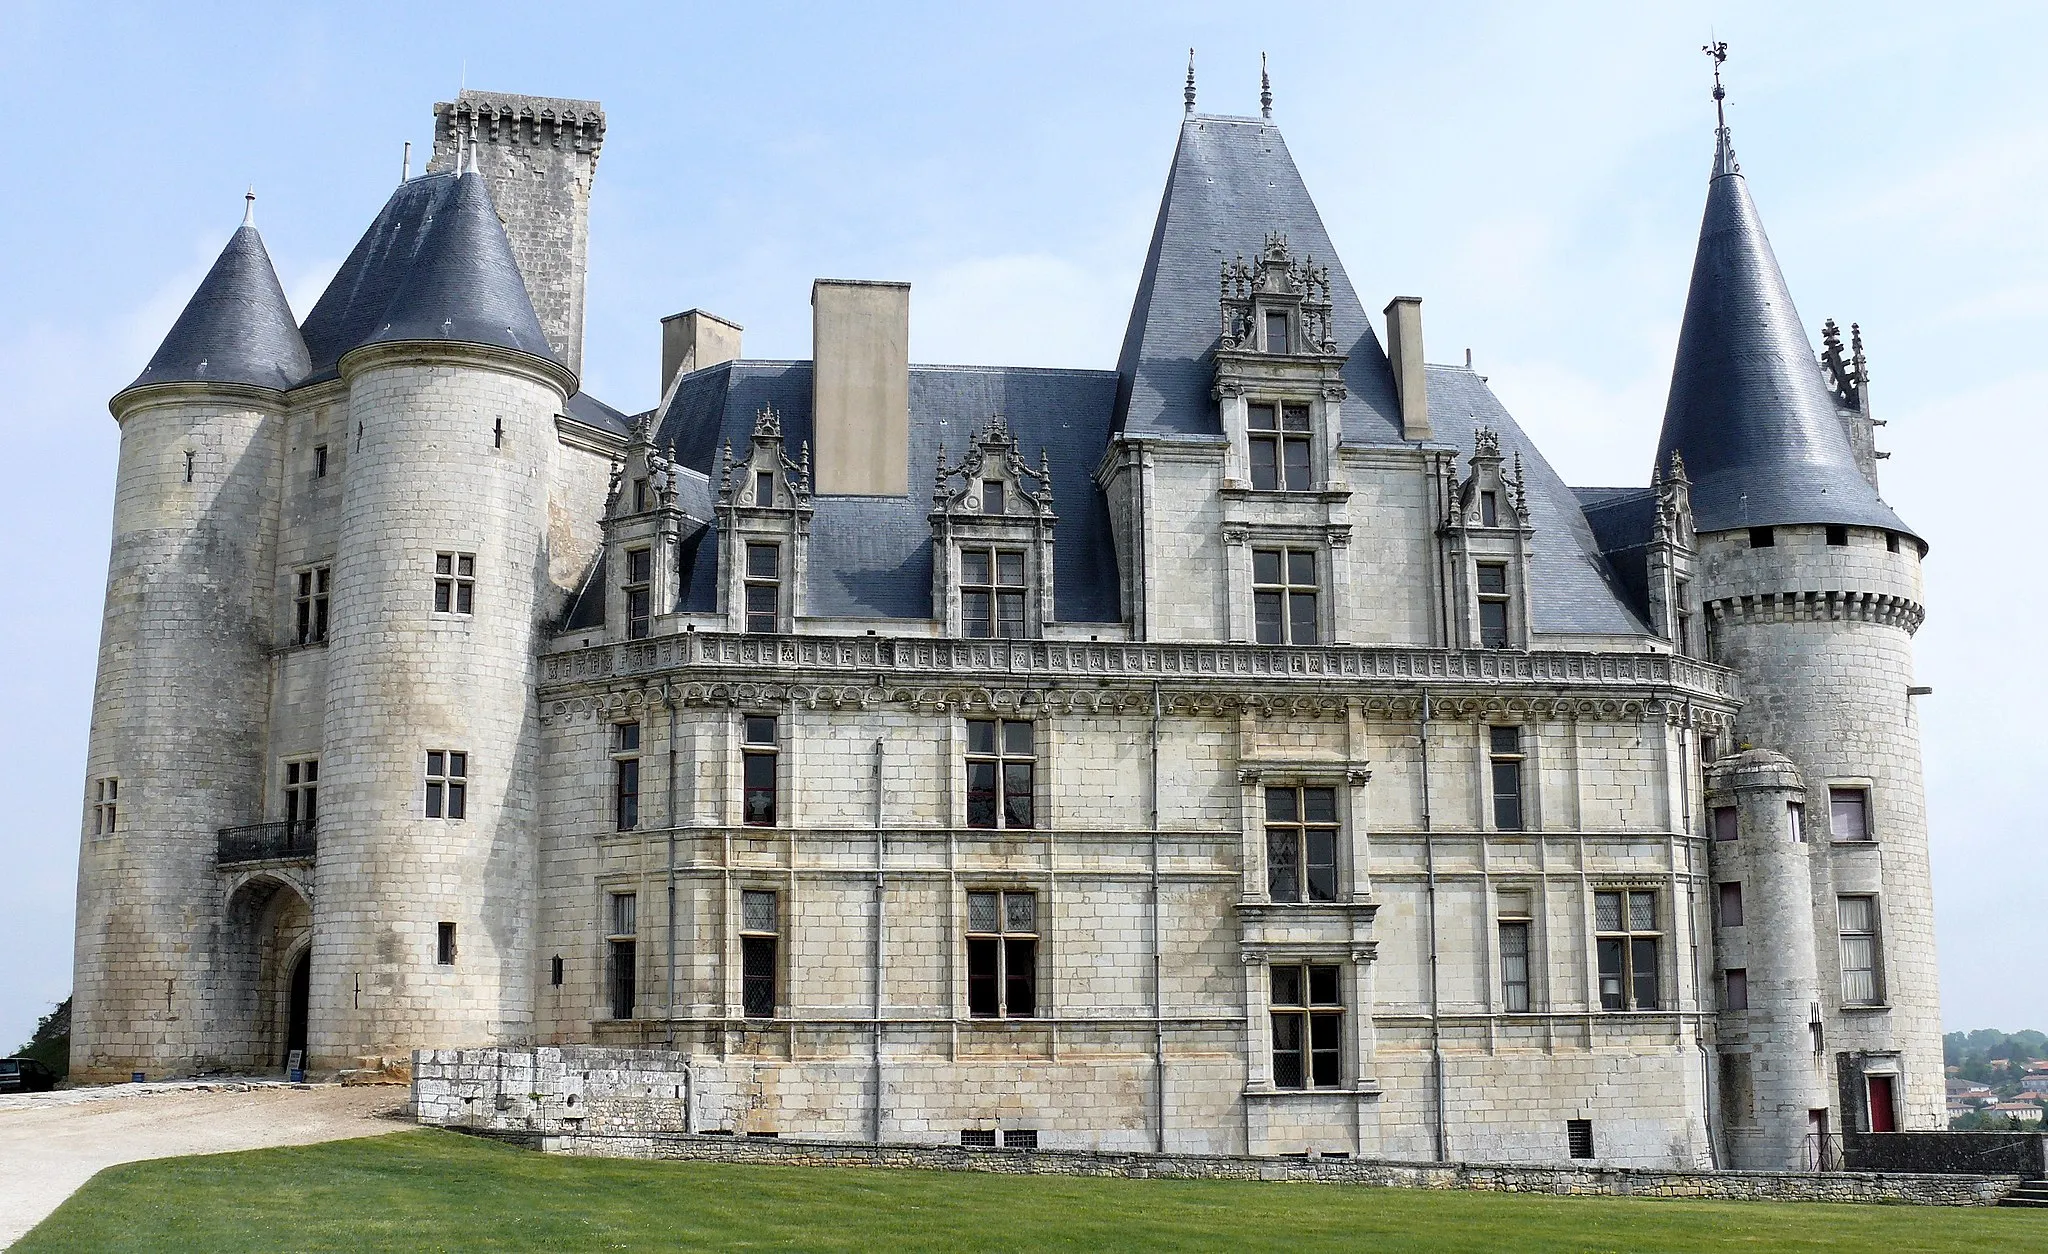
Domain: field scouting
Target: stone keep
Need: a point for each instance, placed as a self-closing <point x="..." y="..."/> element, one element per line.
<point x="1254" y="749"/>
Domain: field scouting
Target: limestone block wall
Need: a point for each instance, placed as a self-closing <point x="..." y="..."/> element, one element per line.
<point x="179" y="710"/>
<point x="431" y="473"/>
<point x="1822" y="635"/>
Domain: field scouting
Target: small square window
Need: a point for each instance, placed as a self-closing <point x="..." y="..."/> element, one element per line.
<point x="1762" y="537"/>
<point x="1725" y="827"/>
<point x="1849" y="813"/>
<point x="454" y="583"/>
<point x="1838" y="537"/>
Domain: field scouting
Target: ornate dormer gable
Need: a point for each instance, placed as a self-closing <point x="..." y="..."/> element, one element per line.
<point x="1279" y="377"/>
<point x="1277" y="305"/>
<point x="992" y="523"/>
<point x="1669" y="559"/>
<point x="644" y="527"/>
<point x="764" y="525"/>
<point x="1487" y="535"/>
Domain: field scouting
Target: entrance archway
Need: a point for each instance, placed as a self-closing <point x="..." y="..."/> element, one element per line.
<point x="266" y="944"/>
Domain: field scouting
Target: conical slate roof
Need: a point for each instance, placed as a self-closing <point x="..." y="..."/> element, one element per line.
<point x="237" y="328"/>
<point x="1749" y="411"/>
<point x="434" y="265"/>
<point x="1233" y="180"/>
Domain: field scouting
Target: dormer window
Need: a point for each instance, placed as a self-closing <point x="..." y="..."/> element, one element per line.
<point x="1276" y="332"/>
<point x="764" y="517"/>
<point x="1280" y="447"/>
<point x="1493" y="605"/>
<point x="639" y="592"/>
<point x="764" y="488"/>
<point x="764" y="586"/>
<point x="1489" y="509"/>
<point x="992" y="524"/>
<point x="991" y="593"/>
<point x="642" y="497"/>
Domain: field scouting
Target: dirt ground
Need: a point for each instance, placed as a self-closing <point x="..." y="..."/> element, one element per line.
<point x="51" y="1143"/>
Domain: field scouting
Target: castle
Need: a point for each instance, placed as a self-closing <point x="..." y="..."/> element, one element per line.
<point x="1256" y="748"/>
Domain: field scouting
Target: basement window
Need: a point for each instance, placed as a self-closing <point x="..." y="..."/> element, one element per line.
<point x="978" y="1138"/>
<point x="1020" y="1138"/>
<point x="1578" y="1137"/>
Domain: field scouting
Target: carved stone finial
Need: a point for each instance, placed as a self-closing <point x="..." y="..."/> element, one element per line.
<point x="1678" y="468"/>
<point x="767" y="423"/>
<point x="1485" y="443"/>
<point x="1265" y="90"/>
<point x="1856" y="352"/>
<point x="1189" y="94"/>
<point x="1044" y="470"/>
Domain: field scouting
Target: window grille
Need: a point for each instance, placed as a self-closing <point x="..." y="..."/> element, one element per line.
<point x="760" y="930"/>
<point x="1627" y="940"/>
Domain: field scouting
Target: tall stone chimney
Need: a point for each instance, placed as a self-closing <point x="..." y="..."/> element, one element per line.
<point x="538" y="155"/>
<point x="692" y="340"/>
<point x="1404" y="354"/>
<point x="860" y="386"/>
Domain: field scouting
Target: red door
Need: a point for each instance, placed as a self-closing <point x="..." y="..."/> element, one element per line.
<point x="1882" y="1117"/>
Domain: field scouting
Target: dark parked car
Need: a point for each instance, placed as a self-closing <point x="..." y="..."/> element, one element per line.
<point x="25" y="1075"/>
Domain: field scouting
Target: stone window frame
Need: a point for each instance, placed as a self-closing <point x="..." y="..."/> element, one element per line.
<point x="454" y="583"/>
<point x="1523" y="758"/>
<point x="753" y="580"/>
<point x="756" y="938"/>
<point x="1280" y="435"/>
<point x="753" y="748"/>
<point x="1004" y="934"/>
<point x="1870" y="935"/>
<point x="106" y="805"/>
<point x="625" y="756"/>
<point x="996" y="588"/>
<point x="1338" y="827"/>
<point x="1528" y="921"/>
<point x="744" y="522"/>
<point x="1306" y="1011"/>
<point x="992" y="501"/>
<point x="299" y="790"/>
<point x="638" y="587"/>
<point x="445" y="794"/>
<point x="1288" y="590"/>
<point x="1865" y="791"/>
<point x="621" y="921"/>
<point x="1003" y="756"/>
<point x="312" y="596"/>
<point x="1627" y="935"/>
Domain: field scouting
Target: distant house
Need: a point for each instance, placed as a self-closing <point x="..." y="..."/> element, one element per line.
<point x="2035" y="1083"/>
<point x="2025" y="1112"/>
<point x="2038" y="1065"/>
<point x="1957" y="1108"/>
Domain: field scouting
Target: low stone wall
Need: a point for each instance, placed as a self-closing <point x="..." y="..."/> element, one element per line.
<point x="1961" y="1153"/>
<point x="1747" y="1186"/>
<point x="600" y="1091"/>
<point x="606" y="1102"/>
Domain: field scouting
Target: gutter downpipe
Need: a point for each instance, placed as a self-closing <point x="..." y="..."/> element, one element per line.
<point x="881" y="850"/>
<point x="1158" y="984"/>
<point x="1436" y="1045"/>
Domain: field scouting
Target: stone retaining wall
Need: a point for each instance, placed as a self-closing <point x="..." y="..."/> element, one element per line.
<point x="1963" y="1153"/>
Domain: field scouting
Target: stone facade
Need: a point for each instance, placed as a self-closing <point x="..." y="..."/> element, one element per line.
<point x="1370" y="818"/>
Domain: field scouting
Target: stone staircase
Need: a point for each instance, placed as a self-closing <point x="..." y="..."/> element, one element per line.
<point x="2030" y="1193"/>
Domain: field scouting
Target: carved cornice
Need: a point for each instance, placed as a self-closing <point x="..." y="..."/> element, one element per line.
<point x="1386" y="684"/>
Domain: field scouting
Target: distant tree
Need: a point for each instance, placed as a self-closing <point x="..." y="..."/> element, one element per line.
<point x="51" y="1044"/>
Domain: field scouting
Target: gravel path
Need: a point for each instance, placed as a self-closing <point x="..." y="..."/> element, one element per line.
<point x="51" y="1143"/>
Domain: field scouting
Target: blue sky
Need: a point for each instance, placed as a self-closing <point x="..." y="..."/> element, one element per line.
<point x="1534" y="173"/>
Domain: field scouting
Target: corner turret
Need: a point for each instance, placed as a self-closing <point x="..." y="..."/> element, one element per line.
<point x="237" y="328"/>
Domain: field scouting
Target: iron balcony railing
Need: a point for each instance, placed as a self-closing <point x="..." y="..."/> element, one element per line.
<point x="263" y="842"/>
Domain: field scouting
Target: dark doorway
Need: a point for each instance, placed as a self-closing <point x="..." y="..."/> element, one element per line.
<point x="1883" y="1114"/>
<point x="295" y="1025"/>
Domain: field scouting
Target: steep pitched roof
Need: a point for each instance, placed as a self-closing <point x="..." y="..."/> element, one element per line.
<point x="434" y="265"/>
<point x="1749" y="409"/>
<point x="871" y="557"/>
<point x="1572" y="588"/>
<point x="1232" y="181"/>
<point x="237" y="328"/>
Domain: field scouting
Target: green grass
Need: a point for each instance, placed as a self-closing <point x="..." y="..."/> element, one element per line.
<point x="432" y="1190"/>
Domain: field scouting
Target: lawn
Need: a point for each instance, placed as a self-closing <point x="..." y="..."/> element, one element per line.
<point x="431" y="1190"/>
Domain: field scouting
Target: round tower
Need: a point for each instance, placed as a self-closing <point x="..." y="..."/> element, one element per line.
<point x="1810" y="586"/>
<point x="423" y="899"/>
<point x="182" y="698"/>
<point x="1771" y="1080"/>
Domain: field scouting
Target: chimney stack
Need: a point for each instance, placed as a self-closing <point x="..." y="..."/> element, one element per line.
<point x="694" y="339"/>
<point x="860" y="386"/>
<point x="1404" y="354"/>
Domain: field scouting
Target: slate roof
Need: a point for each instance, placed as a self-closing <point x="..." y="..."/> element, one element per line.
<point x="871" y="557"/>
<point x="1572" y="587"/>
<point x="237" y="328"/>
<point x="1622" y="520"/>
<point x="1232" y="181"/>
<point x="1749" y="409"/>
<point x="434" y="265"/>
